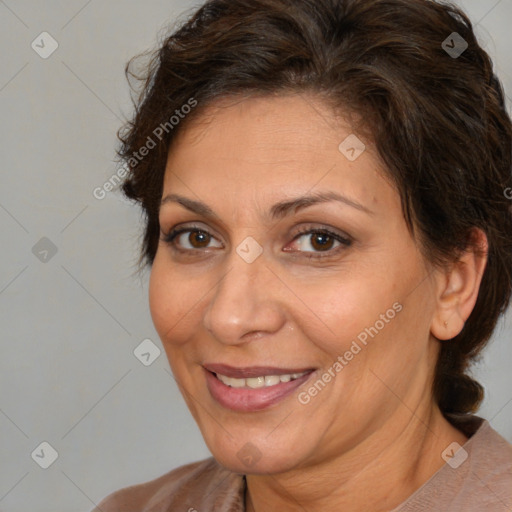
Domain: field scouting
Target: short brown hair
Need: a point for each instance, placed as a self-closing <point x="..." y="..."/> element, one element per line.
<point x="438" y="121"/>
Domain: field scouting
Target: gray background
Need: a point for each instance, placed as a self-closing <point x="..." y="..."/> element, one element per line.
<point x="70" y="323"/>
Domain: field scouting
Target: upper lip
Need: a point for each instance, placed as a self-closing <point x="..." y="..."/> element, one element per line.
<point x="252" y="371"/>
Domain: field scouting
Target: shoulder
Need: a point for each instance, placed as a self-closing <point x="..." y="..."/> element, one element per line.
<point x="189" y="487"/>
<point x="491" y="468"/>
<point x="476" y="476"/>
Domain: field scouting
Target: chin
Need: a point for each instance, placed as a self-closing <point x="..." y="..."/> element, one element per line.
<point x="265" y="466"/>
<point x="251" y="457"/>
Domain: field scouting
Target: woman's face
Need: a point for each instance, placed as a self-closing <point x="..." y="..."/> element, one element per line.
<point x="256" y="286"/>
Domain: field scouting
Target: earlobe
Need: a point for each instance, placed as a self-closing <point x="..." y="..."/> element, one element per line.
<point x="458" y="287"/>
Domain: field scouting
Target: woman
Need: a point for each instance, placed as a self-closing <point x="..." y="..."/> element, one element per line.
<point x="330" y="247"/>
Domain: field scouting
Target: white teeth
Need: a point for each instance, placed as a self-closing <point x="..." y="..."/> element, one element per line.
<point x="234" y="383"/>
<point x="272" y="380"/>
<point x="258" y="382"/>
<point x="255" y="382"/>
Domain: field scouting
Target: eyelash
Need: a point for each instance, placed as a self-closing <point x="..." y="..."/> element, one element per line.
<point x="344" y="241"/>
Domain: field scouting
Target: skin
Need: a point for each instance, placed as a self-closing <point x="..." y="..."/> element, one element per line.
<point x="373" y="435"/>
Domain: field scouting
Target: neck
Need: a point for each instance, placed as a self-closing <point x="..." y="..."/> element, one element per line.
<point x="393" y="462"/>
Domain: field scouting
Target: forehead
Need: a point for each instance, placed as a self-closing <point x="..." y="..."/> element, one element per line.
<point x="283" y="124"/>
<point x="273" y="146"/>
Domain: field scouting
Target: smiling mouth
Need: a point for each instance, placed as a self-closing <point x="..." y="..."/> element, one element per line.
<point x="255" y="376"/>
<point x="254" y="388"/>
<point x="263" y="381"/>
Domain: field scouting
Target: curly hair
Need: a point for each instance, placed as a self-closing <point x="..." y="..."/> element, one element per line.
<point x="438" y="121"/>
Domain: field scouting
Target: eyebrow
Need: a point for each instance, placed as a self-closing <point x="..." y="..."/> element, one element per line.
<point x="277" y="211"/>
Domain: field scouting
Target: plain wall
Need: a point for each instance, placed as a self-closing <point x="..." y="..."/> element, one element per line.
<point x="70" y="324"/>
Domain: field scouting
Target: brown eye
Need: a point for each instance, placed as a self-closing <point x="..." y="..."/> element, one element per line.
<point x="314" y="242"/>
<point x="199" y="239"/>
<point x="321" y="241"/>
<point x="190" y="239"/>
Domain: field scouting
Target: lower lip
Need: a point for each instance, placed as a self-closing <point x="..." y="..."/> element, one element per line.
<point x="247" y="399"/>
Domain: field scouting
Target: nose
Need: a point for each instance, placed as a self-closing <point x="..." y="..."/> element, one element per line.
<point x="245" y="303"/>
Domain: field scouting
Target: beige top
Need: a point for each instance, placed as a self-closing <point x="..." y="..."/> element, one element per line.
<point x="480" y="483"/>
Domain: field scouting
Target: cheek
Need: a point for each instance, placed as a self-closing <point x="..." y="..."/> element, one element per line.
<point x="369" y="317"/>
<point x="334" y="312"/>
<point x="171" y="303"/>
<point x="158" y="299"/>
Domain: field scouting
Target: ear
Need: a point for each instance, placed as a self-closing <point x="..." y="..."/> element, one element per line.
<point x="457" y="288"/>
